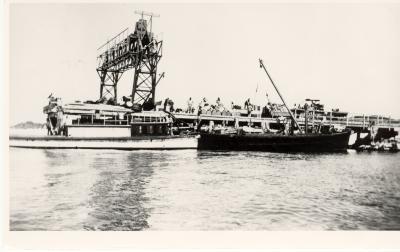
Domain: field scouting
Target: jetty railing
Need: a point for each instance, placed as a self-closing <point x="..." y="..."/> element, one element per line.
<point x="357" y="121"/>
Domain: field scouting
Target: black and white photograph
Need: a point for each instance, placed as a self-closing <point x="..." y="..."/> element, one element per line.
<point x="261" y="116"/>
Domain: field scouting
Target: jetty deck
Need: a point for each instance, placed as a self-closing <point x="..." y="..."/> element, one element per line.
<point x="351" y="121"/>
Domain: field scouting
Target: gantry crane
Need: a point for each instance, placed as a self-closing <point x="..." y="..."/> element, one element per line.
<point x="140" y="51"/>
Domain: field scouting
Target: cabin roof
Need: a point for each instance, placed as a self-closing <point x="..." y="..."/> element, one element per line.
<point x="96" y="106"/>
<point x="150" y="113"/>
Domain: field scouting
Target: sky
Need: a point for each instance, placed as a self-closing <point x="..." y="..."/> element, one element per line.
<point x="346" y="55"/>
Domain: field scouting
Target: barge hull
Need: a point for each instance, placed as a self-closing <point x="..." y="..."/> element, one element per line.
<point x="123" y="143"/>
<point x="276" y="143"/>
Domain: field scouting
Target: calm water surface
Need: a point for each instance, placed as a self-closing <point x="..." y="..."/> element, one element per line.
<point x="201" y="190"/>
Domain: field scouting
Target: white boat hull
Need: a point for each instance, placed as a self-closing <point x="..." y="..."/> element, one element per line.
<point x="161" y="143"/>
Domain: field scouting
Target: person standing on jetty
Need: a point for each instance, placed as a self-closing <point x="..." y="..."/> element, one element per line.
<point x="166" y="103"/>
<point x="248" y="106"/>
<point x="190" y="105"/>
<point x="219" y="106"/>
<point x="201" y="105"/>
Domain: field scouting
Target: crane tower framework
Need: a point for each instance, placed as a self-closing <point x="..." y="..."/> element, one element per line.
<point x="140" y="51"/>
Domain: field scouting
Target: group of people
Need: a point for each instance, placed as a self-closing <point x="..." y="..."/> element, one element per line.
<point x="276" y="107"/>
<point x="204" y="105"/>
<point x="169" y="105"/>
<point x="248" y="106"/>
<point x="312" y="106"/>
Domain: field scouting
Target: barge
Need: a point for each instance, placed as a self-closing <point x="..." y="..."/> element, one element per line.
<point x="293" y="139"/>
<point x="334" y="142"/>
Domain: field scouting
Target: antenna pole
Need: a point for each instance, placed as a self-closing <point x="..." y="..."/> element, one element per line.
<point x="284" y="103"/>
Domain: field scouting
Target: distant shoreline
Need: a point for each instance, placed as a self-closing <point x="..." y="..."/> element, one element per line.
<point x="28" y="125"/>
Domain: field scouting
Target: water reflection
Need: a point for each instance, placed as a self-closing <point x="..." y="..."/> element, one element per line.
<point x="117" y="197"/>
<point x="203" y="154"/>
<point x="202" y="190"/>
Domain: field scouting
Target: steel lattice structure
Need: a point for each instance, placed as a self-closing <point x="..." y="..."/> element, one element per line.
<point x="139" y="51"/>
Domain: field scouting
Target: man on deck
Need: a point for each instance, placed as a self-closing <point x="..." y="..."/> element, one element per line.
<point x="190" y="105"/>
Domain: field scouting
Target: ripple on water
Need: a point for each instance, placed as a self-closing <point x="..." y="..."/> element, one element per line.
<point x="202" y="190"/>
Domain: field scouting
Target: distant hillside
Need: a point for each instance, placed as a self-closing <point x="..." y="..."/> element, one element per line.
<point x="29" y="125"/>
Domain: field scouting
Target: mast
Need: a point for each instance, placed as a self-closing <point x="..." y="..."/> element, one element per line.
<point x="284" y="103"/>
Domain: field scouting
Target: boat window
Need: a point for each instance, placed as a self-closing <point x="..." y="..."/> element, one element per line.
<point x="137" y="119"/>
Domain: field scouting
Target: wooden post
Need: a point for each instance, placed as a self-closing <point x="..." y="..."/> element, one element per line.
<point x="306" y="119"/>
<point x="363" y="121"/>
<point x="313" y="118"/>
<point x="210" y="125"/>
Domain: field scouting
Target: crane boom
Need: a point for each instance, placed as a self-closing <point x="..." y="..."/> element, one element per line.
<point x="284" y="103"/>
<point x="108" y="41"/>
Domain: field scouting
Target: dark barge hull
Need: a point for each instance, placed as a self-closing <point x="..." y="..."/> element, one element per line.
<point x="334" y="142"/>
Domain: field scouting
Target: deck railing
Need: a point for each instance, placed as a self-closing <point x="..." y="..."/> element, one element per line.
<point x="114" y="120"/>
<point x="363" y="121"/>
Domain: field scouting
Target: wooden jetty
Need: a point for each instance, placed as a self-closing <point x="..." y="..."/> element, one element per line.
<point x="355" y="122"/>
